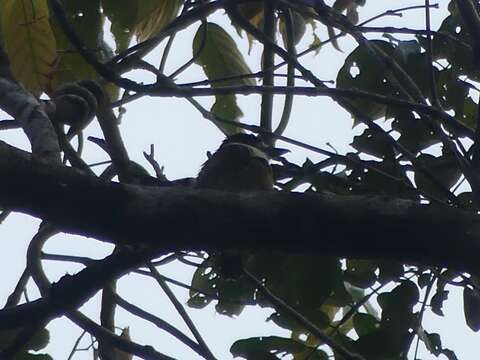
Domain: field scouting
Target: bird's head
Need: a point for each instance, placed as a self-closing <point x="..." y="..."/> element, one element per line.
<point x="256" y="144"/>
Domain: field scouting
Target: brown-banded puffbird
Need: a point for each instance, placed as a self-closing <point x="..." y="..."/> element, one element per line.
<point x="241" y="164"/>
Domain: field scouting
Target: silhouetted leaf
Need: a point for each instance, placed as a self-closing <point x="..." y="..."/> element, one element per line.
<point x="471" y="308"/>
<point x="444" y="170"/>
<point x="436" y="302"/>
<point x="154" y="15"/>
<point x="220" y="58"/>
<point x="269" y="346"/>
<point x="360" y="71"/>
<point x="361" y="273"/>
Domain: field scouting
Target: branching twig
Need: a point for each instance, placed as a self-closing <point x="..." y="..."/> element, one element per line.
<point x="160" y="323"/>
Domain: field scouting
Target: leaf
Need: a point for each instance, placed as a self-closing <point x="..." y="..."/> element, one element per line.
<point x="233" y="296"/>
<point x="397" y="307"/>
<point x="389" y="271"/>
<point x="253" y="12"/>
<point x="39" y="341"/>
<point x="436" y="302"/>
<point x="364" y="324"/>
<point x="299" y="26"/>
<point x="416" y="134"/>
<point x="360" y="71"/>
<point x="202" y="282"/>
<point x="361" y="273"/>
<point x="372" y="143"/>
<point x="471" y="308"/>
<point x="29" y="42"/>
<point x="28" y="356"/>
<point x="444" y="169"/>
<point x="219" y="57"/>
<point x="155" y="16"/>
<point x="123" y="14"/>
<point x="87" y="20"/>
<point x="268" y="347"/>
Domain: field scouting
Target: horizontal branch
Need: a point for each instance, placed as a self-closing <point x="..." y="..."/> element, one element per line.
<point x="180" y="218"/>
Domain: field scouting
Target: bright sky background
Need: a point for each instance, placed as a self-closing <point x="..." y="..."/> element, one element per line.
<point x="182" y="138"/>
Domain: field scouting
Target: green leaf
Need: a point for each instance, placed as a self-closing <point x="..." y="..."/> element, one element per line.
<point x="87" y="20"/>
<point x="36" y="343"/>
<point x="28" y="356"/>
<point x="361" y="273"/>
<point x="360" y="71"/>
<point x="415" y="134"/>
<point x="456" y="53"/>
<point x="444" y="169"/>
<point x="406" y="293"/>
<point x="299" y="26"/>
<point x="389" y="271"/>
<point x="40" y="340"/>
<point x="269" y="347"/>
<point x="397" y="307"/>
<point x="155" y="15"/>
<point x="219" y="57"/>
<point x="203" y="282"/>
<point x="372" y="143"/>
<point x="123" y="14"/>
<point x="29" y="42"/>
<point x="382" y="344"/>
<point x="365" y="324"/>
<point x="233" y="294"/>
<point x="368" y="181"/>
<point x="467" y="200"/>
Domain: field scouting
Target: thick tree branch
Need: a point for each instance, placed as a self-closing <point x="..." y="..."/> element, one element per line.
<point x="189" y="219"/>
<point x="28" y="112"/>
<point x="70" y="292"/>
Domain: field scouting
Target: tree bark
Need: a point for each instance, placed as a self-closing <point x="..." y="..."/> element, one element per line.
<point x="180" y="218"/>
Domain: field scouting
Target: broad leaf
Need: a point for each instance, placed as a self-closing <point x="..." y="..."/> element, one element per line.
<point x="154" y="15"/>
<point x="218" y="54"/>
<point x="29" y="42"/>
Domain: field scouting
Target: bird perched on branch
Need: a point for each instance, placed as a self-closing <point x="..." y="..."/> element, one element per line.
<point x="240" y="164"/>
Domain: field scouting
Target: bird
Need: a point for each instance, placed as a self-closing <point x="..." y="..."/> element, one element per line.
<point x="241" y="164"/>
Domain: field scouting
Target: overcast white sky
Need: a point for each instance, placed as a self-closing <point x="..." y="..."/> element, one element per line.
<point x="182" y="138"/>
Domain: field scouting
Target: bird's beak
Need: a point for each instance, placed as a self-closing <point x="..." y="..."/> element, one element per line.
<point x="275" y="153"/>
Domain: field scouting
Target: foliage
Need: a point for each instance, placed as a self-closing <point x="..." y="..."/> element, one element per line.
<point x="414" y="101"/>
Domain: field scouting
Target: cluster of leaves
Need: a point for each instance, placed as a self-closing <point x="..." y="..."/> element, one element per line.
<point x="42" y="57"/>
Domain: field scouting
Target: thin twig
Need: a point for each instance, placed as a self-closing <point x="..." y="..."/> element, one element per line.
<point x="433" y="87"/>
<point x="160" y="323"/>
<point x="75" y="345"/>
<point x="180" y="309"/>
<point x="268" y="61"/>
